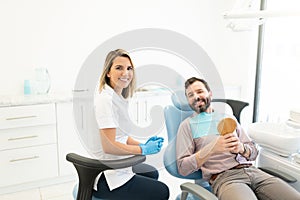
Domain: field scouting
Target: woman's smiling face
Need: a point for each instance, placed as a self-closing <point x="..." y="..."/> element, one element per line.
<point x="120" y="74"/>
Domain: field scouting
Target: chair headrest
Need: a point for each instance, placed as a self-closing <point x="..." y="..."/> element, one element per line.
<point x="179" y="100"/>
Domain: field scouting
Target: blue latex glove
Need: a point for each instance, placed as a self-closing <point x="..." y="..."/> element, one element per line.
<point x="151" y="147"/>
<point x="155" y="138"/>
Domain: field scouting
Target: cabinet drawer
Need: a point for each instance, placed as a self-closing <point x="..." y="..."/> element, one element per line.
<point x="28" y="164"/>
<point x="27" y="136"/>
<point x="24" y="116"/>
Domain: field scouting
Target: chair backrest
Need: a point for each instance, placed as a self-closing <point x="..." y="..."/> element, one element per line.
<point x="174" y="115"/>
<point x="173" y="118"/>
<point x="236" y="106"/>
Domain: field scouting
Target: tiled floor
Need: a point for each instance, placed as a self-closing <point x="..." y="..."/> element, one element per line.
<point x="63" y="191"/>
<point x="55" y="192"/>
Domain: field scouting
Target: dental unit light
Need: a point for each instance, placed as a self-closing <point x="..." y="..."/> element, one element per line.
<point x="261" y="14"/>
<point x="244" y="15"/>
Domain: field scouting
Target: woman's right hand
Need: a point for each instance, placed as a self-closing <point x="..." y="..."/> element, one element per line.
<point x="155" y="138"/>
<point x="151" y="147"/>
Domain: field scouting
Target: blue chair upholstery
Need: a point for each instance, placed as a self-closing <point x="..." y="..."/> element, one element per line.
<point x="174" y="115"/>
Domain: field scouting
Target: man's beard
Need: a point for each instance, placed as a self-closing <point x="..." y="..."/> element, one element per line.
<point x="201" y="108"/>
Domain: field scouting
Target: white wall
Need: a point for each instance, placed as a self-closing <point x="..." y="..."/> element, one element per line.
<point x="60" y="34"/>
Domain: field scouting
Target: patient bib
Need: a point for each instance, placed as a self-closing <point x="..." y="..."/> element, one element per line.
<point x="205" y="124"/>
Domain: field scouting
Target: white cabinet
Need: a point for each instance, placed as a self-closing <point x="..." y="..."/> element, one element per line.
<point x="141" y="104"/>
<point x="35" y="139"/>
<point x="86" y="124"/>
<point x="23" y="165"/>
<point x="68" y="138"/>
<point x="140" y="112"/>
<point x="28" y="150"/>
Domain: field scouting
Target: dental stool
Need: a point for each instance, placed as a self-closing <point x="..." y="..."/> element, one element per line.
<point x="88" y="169"/>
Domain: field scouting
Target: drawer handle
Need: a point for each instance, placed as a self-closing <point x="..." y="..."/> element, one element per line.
<point x="22" y="159"/>
<point x="80" y="90"/>
<point x="24" y="117"/>
<point x="22" y="138"/>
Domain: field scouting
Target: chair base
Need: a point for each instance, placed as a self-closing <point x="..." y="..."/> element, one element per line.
<point x="75" y="190"/>
<point x="189" y="197"/>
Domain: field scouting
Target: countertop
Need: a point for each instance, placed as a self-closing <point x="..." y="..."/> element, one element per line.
<point x="19" y="100"/>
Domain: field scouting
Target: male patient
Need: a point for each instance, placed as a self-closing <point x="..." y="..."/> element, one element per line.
<point x="225" y="160"/>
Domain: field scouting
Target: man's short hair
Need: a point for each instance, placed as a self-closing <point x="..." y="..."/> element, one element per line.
<point x="190" y="81"/>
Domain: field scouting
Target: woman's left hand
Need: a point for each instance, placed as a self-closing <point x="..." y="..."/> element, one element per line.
<point x="155" y="138"/>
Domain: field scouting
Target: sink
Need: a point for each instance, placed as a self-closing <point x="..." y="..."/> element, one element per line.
<point x="276" y="137"/>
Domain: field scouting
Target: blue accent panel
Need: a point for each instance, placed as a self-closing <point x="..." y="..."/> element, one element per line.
<point x="177" y="116"/>
<point x="205" y="124"/>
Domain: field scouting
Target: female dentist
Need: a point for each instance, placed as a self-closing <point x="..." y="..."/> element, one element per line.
<point x="117" y="84"/>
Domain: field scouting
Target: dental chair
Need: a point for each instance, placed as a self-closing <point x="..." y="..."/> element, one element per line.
<point x="88" y="169"/>
<point x="174" y="115"/>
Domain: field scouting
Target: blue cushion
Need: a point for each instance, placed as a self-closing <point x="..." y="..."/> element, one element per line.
<point x="173" y="118"/>
<point x="171" y="165"/>
<point x="189" y="197"/>
<point x="174" y="115"/>
<point x="179" y="100"/>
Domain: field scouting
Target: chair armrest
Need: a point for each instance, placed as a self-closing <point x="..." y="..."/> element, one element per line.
<point x="111" y="164"/>
<point x="88" y="169"/>
<point x="280" y="174"/>
<point x="196" y="190"/>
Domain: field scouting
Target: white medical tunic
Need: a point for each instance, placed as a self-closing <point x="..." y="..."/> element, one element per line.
<point x="111" y="111"/>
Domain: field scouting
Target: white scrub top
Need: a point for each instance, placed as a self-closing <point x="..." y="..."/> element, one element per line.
<point x="111" y="111"/>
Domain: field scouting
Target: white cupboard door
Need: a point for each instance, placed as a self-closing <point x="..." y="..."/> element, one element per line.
<point x="24" y="165"/>
<point x="141" y="105"/>
<point x="68" y="138"/>
<point x="25" y="116"/>
<point x="26" y="137"/>
<point x="138" y="110"/>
